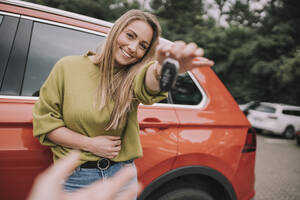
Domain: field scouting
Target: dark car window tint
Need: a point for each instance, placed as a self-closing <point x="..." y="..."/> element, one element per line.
<point x="264" y="108"/>
<point x="297" y="113"/>
<point x="291" y="112"/>
<point x="1" y="17"/>
<point x="8" y="30"/>
<point x="49" y="43"/>
<point x="185" y="91"/>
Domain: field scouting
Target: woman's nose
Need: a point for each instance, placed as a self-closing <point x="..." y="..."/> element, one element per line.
<point x="133" y="46"/>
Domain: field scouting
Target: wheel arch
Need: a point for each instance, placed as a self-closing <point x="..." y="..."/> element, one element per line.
<point x="290" y="125"/>
<point x="190" y="171"/>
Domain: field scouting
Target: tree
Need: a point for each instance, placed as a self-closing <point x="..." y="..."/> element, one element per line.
<point x="259" y="62"/>
<point x="178" y="18"/>
<point x="278" y="51"/>
<point x="241" y="14"/>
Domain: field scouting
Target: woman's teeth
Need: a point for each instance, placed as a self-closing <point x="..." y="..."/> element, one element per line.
<point x="126" y="54"/>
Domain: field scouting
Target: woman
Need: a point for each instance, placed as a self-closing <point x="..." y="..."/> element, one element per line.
<point x="90" y="102"/>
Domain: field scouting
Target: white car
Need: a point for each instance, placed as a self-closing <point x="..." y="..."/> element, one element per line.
<point x="279" y="119"/>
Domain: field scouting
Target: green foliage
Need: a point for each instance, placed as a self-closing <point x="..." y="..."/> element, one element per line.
<point x="264" y="65"/>
<point x="240" y="14"/>
<point x="178" y="17"/>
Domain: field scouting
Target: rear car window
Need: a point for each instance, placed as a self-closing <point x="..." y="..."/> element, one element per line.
<point x="291" y="112"/>
<point x="185" y="91"/>
<point x="48" y="44"/>
<point x="264" y="108"/>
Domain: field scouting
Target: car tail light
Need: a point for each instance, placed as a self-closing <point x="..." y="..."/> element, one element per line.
<point x="250" y="144"/>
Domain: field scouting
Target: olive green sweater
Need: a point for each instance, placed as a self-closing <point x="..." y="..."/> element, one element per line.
<point x="67" y="100"/>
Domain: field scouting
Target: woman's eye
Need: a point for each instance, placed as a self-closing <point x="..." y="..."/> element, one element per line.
<point x="130" y="36"/>
<point x="143" y="46"/>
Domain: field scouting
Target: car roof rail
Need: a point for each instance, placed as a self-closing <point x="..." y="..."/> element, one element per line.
<point x="57" y="12"/>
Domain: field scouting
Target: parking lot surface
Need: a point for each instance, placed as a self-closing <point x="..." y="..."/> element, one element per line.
<point x="277" y="169"/>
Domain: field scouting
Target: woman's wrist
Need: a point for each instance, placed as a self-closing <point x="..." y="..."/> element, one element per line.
<point x="86" y="144"/>
<point x="156" y="71"/>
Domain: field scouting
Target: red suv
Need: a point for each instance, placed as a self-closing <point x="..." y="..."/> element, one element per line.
<point x="197" y="143"/>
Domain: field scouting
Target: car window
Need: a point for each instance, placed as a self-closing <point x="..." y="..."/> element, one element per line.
<point x="8" y="30"/>
<point x="291" y="112"/>
<point x="185" y="91"/>
<point x="1" y="17"/>
<point x="264" y="108"/>
<point x="15" y="68"/>
<point x="49" y="43"/>
<point x="297" y="113"/>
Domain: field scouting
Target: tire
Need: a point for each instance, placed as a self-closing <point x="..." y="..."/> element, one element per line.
<point x="289" y="132"/>
<point x="183" y="190"/>
<point x="186" y="194"/>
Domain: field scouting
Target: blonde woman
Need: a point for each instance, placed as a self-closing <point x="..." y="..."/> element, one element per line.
<point x="90" y="102"/>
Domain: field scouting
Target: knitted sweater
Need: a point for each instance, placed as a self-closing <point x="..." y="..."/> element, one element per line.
<point x="67" y="100"/>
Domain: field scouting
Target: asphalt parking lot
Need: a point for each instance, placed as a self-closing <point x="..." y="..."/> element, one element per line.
<point x="277" y="169"/>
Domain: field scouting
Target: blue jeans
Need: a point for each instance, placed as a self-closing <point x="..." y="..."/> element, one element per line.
<point x="83" y="177"/>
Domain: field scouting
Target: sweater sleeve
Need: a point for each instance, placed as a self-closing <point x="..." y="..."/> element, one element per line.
<point x="47" y="111"/>
<point x="144" y="94"/>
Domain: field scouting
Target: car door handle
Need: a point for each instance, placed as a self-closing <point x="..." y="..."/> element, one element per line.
<point x="151" y="119"/>
<point x="155" y="122"/>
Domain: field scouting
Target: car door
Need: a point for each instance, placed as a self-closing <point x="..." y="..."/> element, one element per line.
<point x="159" y="137"/>
<point x="15" y="117"/>
<point x="158" y="133"/>
<point x="31" y="47"/>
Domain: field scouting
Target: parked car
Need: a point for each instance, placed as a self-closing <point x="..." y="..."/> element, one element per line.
<point x="276" y="118"/>
<point x="197" y="144"/>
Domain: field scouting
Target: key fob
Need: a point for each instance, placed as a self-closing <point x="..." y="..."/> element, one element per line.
<point x="168" y="74"/>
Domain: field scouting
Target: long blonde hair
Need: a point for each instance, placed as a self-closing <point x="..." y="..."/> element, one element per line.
<point x="118" y="86"/>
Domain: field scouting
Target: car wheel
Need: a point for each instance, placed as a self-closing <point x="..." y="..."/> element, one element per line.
<point x="289" y="132"/>
<point x="186" y="193"/>
<point x="183" y="190"/>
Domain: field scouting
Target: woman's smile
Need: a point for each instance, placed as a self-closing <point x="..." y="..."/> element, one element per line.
<point x="125" y="53"/>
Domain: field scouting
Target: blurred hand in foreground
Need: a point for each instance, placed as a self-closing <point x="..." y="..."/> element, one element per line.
<point x="49" y="184"/>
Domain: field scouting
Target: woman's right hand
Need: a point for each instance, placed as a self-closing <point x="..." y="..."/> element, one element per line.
<point x="105" y="146"/>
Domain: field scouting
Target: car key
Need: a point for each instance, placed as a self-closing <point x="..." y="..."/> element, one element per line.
<point x="168" y="74"/>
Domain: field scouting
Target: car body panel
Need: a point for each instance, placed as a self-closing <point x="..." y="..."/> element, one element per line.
<point x="209" y="131"/>
<point x="158" y="132"/>
<point x="245" y="173"/>
<point x="21" y="155"/>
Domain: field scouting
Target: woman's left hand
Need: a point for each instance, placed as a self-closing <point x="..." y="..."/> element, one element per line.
<point x="188" y="55"/>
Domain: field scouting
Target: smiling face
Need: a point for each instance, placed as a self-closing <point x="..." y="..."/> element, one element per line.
<point x="133" y="42"/>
